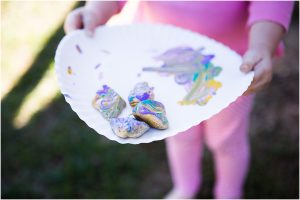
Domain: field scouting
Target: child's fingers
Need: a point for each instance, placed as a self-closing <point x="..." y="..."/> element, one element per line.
<point x="250" y="59"/>
<point x="262" y="76"/>
<point x="73" y="21"/>
<point x="89" y="22"/>
<point x="258" y="73"/>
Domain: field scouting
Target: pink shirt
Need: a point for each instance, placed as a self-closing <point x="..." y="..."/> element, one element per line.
<point x="226" y="22"/>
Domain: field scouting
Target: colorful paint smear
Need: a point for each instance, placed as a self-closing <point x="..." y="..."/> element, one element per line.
<point x="192" y="69"/>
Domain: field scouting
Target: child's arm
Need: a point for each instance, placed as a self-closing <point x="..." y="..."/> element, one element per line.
<point x="263" y="40"/>
<point x="93" y="14"/>
<point x="268" y="20"/>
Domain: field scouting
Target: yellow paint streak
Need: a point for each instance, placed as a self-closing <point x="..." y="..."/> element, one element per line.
<point x="214" y="84"/>
<point x="69" y="70"/>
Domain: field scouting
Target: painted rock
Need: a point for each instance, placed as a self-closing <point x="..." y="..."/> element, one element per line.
<point x="108" y="102"/>
<point x="141" y="92"/>
<point x="152" y="112"/>
<point x="128" y="127"/>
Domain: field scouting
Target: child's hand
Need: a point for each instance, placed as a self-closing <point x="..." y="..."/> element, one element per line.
<point x="260" y="61"/>
<point x="92" y="15"/>
<point x="82" y="18"/>
<point x="264" y="39"/>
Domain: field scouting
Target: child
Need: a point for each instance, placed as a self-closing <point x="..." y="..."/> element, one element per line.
<point x="253" y="29"/>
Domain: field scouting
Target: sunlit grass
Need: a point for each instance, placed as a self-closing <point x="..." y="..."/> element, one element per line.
<point x="37" y="99"/>
<point x="26" y="27"/>
<point x="47" y="88"/>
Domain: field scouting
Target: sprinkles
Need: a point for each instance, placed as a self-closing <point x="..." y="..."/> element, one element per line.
<point x="78" y="49"/>
<point x="104" y="51"/>
<point x="69" y="70"/>
<point x="97" y="66"/>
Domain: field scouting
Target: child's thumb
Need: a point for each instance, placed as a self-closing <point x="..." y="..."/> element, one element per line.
<point x="73" y="20"/>
<point x="89" y="22"/>
<point x="250" y="59"/>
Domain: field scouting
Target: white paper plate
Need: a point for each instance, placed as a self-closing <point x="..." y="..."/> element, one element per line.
<point x="116" y="55"/>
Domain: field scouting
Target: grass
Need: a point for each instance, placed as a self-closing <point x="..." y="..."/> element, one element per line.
<point x="56" y="155"/>
<point x="27" y="28"/>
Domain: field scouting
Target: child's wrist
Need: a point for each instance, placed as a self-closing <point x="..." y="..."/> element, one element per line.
<point x="266" y="36"/>
<point x="262" y="48"/>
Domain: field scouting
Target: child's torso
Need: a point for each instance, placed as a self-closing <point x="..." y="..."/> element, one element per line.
<point x="223" y="21"/>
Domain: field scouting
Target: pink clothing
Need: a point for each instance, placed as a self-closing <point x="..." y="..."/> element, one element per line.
<point x="226" y="22"/>
<point x="226" y="136"/>
<point x="279" y="12"/>
<point x="225" y="133"/>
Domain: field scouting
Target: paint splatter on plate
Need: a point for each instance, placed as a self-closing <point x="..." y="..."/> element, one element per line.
<point x="194" y="76"/>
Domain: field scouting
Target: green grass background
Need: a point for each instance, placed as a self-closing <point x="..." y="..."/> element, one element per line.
<point x="57" y="156"/>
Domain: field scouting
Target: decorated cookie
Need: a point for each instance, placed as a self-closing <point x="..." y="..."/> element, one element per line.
<point x="152" y="112"/>
<point x="141" y="92"/>
<point x="128" y="127"/>
<point x="108" y="102"/>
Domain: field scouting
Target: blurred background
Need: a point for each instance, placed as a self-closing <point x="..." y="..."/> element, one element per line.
<point x="48" y="152"/>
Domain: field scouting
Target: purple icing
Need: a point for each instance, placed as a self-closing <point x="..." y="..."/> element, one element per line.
<point x="143" y="97"/>
<point x="104" y="90"/>
<point x="145" y="111"/>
